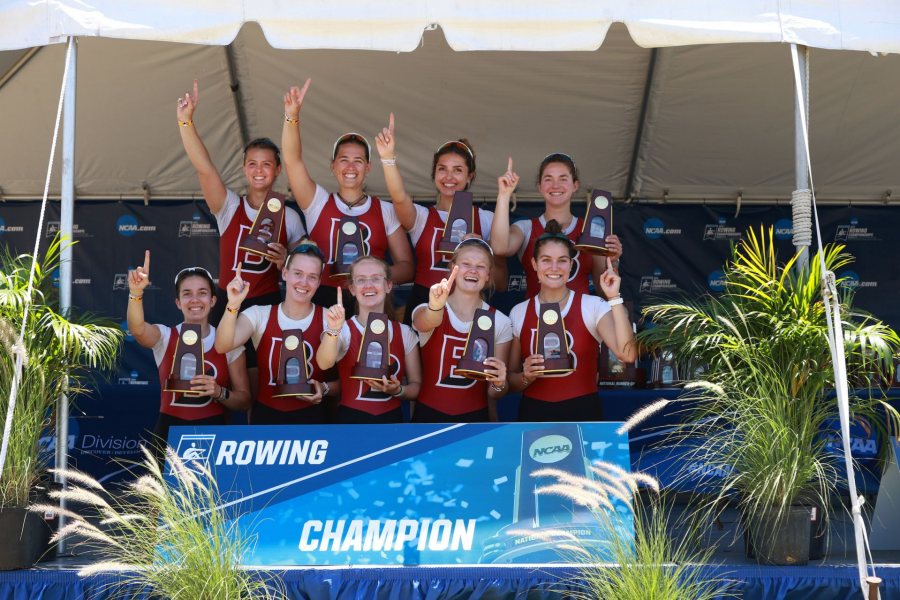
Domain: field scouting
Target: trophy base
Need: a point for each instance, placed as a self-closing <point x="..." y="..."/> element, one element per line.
<point x="254" y="246"/>
<point x="447" y="247"/>
<point x="180" y="386"/>
<point x="284" y="390"/>
<point x="593" y="247"/>
<point x="341" y="272"/>
<point x="471" y="369"/>
<point x="554" y="366"/>
<point x="367" y="373"/>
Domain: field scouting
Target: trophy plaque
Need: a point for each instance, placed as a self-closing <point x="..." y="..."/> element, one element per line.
<point x="266" y="227"/>
<point x="665" y="370"/>
<point x="349" y="246"/>
<point x="552" y="341"/>
<point x="374" y="356"/>
<point x="188" y="360"/>
<point x="597" y="224"/>
<point x="293" y="368"/>
<point x="460" y="222"/>
<point x="479" y="346"/>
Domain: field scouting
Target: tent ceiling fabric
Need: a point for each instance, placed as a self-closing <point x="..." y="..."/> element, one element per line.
<point x="719" y="123"/>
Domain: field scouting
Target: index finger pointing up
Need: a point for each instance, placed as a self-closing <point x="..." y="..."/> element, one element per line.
<point x="509" y="166"/>
<point x="452" y="277"/>
<point x="391" y="123"/>
<point x="340" y="298"/>
<point x="237" y="272"/>
<point x="146" y="261"/>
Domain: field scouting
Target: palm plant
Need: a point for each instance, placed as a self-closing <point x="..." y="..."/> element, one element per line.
<point x="761" y="408"/>
<point x="59" y="352"/>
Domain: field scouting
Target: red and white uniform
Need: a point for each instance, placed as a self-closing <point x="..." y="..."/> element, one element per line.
<point x="323" y="215"/>
<point x="579" y="277"/>
<point x="442" y="347"/>
<point x="268" y="324"/>
<point x="234" y="222"/>
<point x="191" y="408"/>
<point x="581" y="313"/>
<point x="354" y="393"/>
<point x="426" y="234"/>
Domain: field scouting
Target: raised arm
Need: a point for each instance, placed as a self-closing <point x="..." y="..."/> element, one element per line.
<point x="505" y="240"/>
<point x="234" y="330"/>
<point x="144" y="333"/>
<point x="614" y="327"/>
<point x="326" y="353"/>
<point x="386" y="142"/>
<point x="426" y="320"/>
<point x="302" y="185"/>
<point x="211" y="183"/>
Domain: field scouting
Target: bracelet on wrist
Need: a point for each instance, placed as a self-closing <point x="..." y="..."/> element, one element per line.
<point x="399" y="392"/>
<point x="184" y="123"/>
<point x="525" y="382"/>
<point x="498" y="388"/>
<point x="617" y="300"/>
<point x="389" y="162"/>
<point x="233" y="311"/>
<point x="292" y="120"/>
<point x="136" y="298"/>
<point x="332" y="332"/>
<point x="435" y="309"/>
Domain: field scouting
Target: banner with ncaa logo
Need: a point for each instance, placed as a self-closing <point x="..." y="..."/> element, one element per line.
<point x="407" y="494"/>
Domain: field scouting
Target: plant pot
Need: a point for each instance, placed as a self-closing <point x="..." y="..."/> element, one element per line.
<point x="818" y="528"/>
<point x="781" y="542"/>
<point x="23" y="538"/>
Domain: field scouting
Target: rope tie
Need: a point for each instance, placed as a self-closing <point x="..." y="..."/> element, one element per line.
<point x="801" y="214"/>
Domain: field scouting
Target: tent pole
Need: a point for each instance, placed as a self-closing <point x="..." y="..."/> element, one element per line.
<point x="631" y="189"/>
<point x="801" y="160"/>
<point x="67" y="212"/>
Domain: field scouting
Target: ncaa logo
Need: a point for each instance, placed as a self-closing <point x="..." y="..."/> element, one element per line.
<point x="784" y="229"/>
<point x="127" y="225"/>
<point x="654" y="228"/>
<point x="550" y="449"/>
<point x="194" y="450"/>
<point x="716" y="281"/>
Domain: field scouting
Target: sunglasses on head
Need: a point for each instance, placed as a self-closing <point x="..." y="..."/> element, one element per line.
<point x="352" y="137"/>
<point x="193" y="271"/>
<point x="309" y="249"/>
<point x="456" y="144"/>
<point x="554" y="155"/>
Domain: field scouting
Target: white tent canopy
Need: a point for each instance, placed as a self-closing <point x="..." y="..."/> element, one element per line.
<point x="688" y="120"/>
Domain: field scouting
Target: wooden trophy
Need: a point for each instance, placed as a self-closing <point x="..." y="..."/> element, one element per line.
<point x="665" y="370"/>
<point x="479" y="346"/>
<point x="266" y="227"/>
<point x="374" y="356"/>
<point x="349" y="246"/>
<point x="188" y="360"/>
<point x="293" y="367"/>
<point x="597" y="224"/>
<point x="460" y="222"/>
<point x="614" y="373"/>
<point x="552" y="342"/>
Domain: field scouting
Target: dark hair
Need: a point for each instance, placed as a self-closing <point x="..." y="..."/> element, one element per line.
<point x="558" y="157"/>
<point x="553" y="233"/>
<point x="460" y="147"/>
<point x="351" y="138"/>
<point x="193" y="272"/>
<point x="388" y="301"/>
<point x="307" y="248"/>
<point x="263" y="144"/>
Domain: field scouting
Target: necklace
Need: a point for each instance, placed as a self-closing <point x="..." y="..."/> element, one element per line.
<point x="561" y="301"/>
<point x="355" y="203"/>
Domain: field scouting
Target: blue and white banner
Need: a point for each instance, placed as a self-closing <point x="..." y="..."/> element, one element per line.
<point x="408" y="494"/>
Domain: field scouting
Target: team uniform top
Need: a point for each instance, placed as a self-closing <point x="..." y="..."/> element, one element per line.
<point x="376" y="217"/>
<point x="442" y="347"/>
<point x="191" y="408"/>
<point x="354" y="393"/>
<point x="234" y="224"/>
<point x="269" y="323"/>
<point x="581" y="313"/>
<point x="579" y="276"/>
<point x="426" y="234"/>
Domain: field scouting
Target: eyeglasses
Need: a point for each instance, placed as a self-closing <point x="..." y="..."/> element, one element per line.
<point x="309" y="249"/>
<point x="351" y="137"/>
<point x="474" y="241"/>
<point x="193" y="271"/>
<point x="363" y="281"/>
<point x="458" y="144"/>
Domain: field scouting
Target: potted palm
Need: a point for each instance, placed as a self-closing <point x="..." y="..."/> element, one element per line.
<point x="58" y="351"/>
<point x="760" y="411"/>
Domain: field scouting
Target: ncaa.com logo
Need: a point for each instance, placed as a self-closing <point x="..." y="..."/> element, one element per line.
<point x="851" y="280"/>
<point x="127" y="225"/>
<point x="715" y="281"/>
<point x="550" y="449"/>
<point x="784" y="229"/>
<point x="654" y="229"/>
<point x="4" y="228"/>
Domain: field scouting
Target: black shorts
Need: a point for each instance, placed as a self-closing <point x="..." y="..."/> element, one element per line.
<point x="580" y="408"/>
<point x="352" y="416"/>
<point x="215" y="315"/>
<point x="426" y="414"/>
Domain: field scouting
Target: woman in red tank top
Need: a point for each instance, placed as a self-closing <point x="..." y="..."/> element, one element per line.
<point x="443" y="323"/>
<point x="452" y="170"/>
<point x="370" y="401"/>
<point x="225" y="384"/>
<point x="557" y="181"/>
<point x="588" y="321"/>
